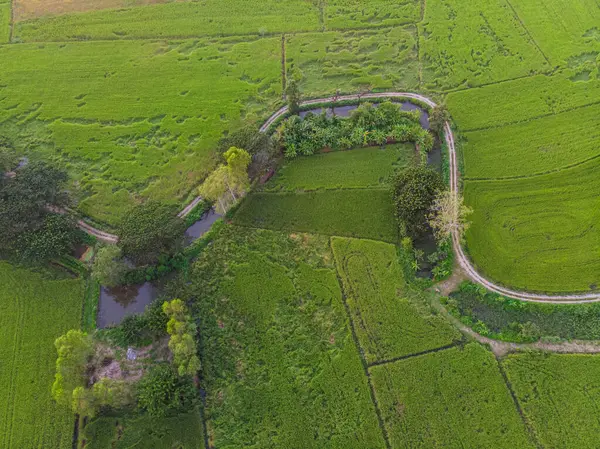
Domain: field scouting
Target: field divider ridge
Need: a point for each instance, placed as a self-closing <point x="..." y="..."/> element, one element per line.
<point x="416" y="354"/>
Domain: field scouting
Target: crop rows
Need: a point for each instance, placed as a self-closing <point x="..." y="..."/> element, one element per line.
<point x="454" y="398"/>
<point x="35" y="311"/>
<point x="559" y="395"/>
<point x="538" y="233"/>
<point x="534" y="147"/>
<point x="465" y="44"/>
<point x="386" y="323"/>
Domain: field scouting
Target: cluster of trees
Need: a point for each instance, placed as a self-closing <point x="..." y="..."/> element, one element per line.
<point x="35" y="226"/>
<point x="182" y="342"/>
<point x="229" y="182"/>
<point x="367" y="125"/>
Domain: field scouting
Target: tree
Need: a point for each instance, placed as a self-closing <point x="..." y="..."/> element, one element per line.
<point x="7" y="156"/>
<point x="414" y="190"/>
<point x="449" y="214"/>
<point x="108" y="268"/>
<point x="74" y="351"/>
<point x="292" y="94"/>
<point x="182" y="343"/>
<point x="162" y="392"/>
<point x="238" y="161"/>
<point x="438" y="118"/>
<point x="150" y="230"/>
<point x="53" y="239"/>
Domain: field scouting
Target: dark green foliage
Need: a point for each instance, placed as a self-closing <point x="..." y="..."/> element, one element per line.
<point x="162" y="392"/>
<point x="53" y="239"/>
<point x="261" y="146"/>
<point x="367" y="125"/>
<point x="415" y="189"/>
<point x="513" y="320"/>
<point x="141" y="329"/>
<point x="438" y="117"/>
<point x="150" y="230"/>
<point x="293" y="97"/>
<point x="7" y="157"/>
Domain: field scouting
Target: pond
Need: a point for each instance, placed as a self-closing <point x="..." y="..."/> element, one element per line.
<point x="118" y="302"/>
<point x="202" y="226"/>
<point x="344" y="111"/>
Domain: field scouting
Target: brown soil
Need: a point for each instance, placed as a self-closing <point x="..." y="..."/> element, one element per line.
<point x="32" y="9"/>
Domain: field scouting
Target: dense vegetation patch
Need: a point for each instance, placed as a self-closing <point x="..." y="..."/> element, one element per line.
<point x="452" y="398"/>
<point x="388" y="325"/>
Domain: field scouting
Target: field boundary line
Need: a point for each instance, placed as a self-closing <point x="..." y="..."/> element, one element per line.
<point x="361" y="353"/>
<point x="524" y="419"/>
<point x="416" y="354"/>
<point x="528" y="33"/>
<point x="534" y="175"/>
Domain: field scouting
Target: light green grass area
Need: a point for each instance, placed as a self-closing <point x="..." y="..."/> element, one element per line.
<point x="465" y="44"/>
<point x="520" y="100"/>
<point x="455" y="398"/>
<point x="534" y="147"/>
<point x="567" y="31"/>
<point x="183" y="431"/>
<point x="538" y="233"/>
<point x="366" y="213"/>
<point x="279" y="363"/>
<point x="354" y="60"/>
<point x="356" y="168"/>
<point x="133" y="119"/>
<point x="35" y="311"/>
<point x="344" y="14"/>
<point x="176" y="20"/>
<point x="4" y="22"/>
<point x="559" y="395"/>
<point x="386" y="323"/>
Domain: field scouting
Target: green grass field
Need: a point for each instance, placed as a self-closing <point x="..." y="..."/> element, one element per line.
<point x="386" y="323"/>
<point x="357" y="168"/>
<point x="455" y="398"/>
<point x="183" y="431"/>
<point x="559" y="395"/>
<point x="280" y="366"/>
<point x="35" y="311"/>
<point x="4" y="22"/>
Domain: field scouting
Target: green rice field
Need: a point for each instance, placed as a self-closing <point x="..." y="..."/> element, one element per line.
<point x="35" y="311"/>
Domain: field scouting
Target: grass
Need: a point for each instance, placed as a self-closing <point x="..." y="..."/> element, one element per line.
<point x="5" y="19"/>
<point x="159" y="142"/>
<point x="537" y="233"/>
<point x="465" y="45"/>
<point x="522" y="150"/>
<point x="366" y="213"/>
<point x="345" y="14"/>
<point x="513" y="320"/>
<point x="559" y="396"/>
<point x="565" y="30"/>
<point x="183" y="431"/>
<point x="357" y="168"/>
<point x="280" y="366"/>
<point x="35" y="311"/>
<point x="386" y="323"/>
<point x="176" y="20"/>
<point x="354" y="60"/>
<point x="455" y="398"/>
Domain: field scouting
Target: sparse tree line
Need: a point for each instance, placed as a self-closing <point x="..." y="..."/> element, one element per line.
<point x="92" y="378"/>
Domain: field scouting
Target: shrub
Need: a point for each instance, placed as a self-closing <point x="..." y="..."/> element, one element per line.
<point x="162" y="392"/>
<point x="182" y="343"/>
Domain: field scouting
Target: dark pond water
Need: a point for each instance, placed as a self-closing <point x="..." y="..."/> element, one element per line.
<point x="202" y="226"/>
<point x="118" y="302"/>
<point x="344" y="111"/>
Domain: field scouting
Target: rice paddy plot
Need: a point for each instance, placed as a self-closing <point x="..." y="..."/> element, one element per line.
<point x="346" y="14"/>
<point x="4" y="22"/>
<point x="176" y="20"/>
<point x="356" y="168"/>
<point x="280" y="366"/>
<point x="454" y="398"/>
<point x="465" y="44"/>
<point x="386" y="323"/>
<point x="533" y="147"/>
<point x="35" y="311"/>
<point x="568" y="32"/>
<point x="366" y="213"/>
<point x="538" y="233"/>
<point x="559" y="395"/>
<point x="354" y="60"/>
<point x="159" y="142"/>
<point x="520" y="100"/>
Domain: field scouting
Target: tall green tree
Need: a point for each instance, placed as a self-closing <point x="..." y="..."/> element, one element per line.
<point x="74" y="349"/>
<point x="182" y="342"/>
<point x="150" y="230"/>
<point x="109" y="268"/>
<point x="438" y="118"/>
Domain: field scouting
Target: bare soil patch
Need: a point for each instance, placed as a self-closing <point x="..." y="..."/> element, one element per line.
<point x="33" y="9"/>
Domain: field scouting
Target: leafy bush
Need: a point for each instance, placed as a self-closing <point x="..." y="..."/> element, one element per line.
<point x="108" y="268"/>
<point x="182" y="343"/>
<point x="74" y="351"/>
<point x="162" y="392"/>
